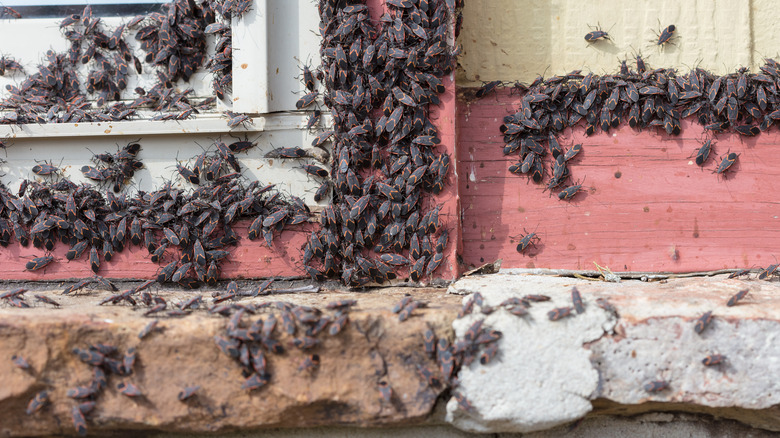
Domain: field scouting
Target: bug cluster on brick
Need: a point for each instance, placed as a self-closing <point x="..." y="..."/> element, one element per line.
<point x="252" y="345"/>
<point x="106" y="360"/>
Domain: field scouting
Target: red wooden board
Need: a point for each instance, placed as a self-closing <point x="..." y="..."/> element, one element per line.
<point x="249" y="259"/>
<point x="646" y="207"/>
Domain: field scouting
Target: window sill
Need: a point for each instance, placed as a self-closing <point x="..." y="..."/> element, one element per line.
<point x="204" y="124"/>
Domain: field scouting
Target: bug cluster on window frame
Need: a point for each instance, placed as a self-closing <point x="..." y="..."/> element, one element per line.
<point x="175" y="43"/>
<point x="188" y="232"/>
<point x="380" y="82"/>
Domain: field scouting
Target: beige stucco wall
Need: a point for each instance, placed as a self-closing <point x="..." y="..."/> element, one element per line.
<point x="520" y="39"/>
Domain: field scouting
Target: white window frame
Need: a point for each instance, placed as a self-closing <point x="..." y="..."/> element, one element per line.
<point x="270" y="39"/>
<point x="269" y="43"/>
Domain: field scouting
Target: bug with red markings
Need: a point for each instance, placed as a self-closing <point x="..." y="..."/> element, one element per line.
<point x="315" y="170"/>
<point x="307" y="100"/>
<point x="739" y="273"/>
<point x="736" y="298"/>
<point x="338" y="324"/>
<point x="473" y="331"/>
<point x="463" y="402"/>
<point x="429" y="342"/>
<point x="527" y="240"/>
<point x="305" y="342"/>
<point x="188" y="392"/>
<point x="81" y="392"/>
<point x="445" y="359"/>
<point x="596" y="35"/>
<point x="235" y="119"/>
<point x="129" y="360"/>
<point x="256" y="381"/>
<point x="429" y="377"/>
<point x="559" y="313"/>
<point x="703" y="322"/>
<point x="656" y="386"/>
<point x="79" y="423"/>
<point x="13" y="293"/>
<point x="20" y="362"/>
<point x="666" y="35"/>
<point x="726" y="163"/>
<point x="768" y="272"/>
<point x="488" y="354"/>
<point x="606" y="305"/>
<point x="5" y="10"/>
<point x="46" y="169"/>
<point x="536" y="298"/>
<point x="703" y="153"/>
<point x="385" y="391"/>
<point x="713" y="359"/>
<point x="577" y="300"/>
<point x="46" y="300"/>
<point x="569" y="192"/>
<point x="128" y="389"/>
<point x="572" y="152"/>
<point x="310" y="364"/>
<point x="37" y="402"/>
<point x="486" y="89"/>
<point x="39" y="263"/>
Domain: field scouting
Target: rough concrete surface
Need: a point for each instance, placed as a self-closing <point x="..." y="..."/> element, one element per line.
<point x="654" y="339"/>
<point x="583" y="372"/>
<point x="543" y="376"/>
<point x="373" y="347"/>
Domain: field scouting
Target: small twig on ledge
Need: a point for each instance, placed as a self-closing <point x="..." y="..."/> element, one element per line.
<point x="311" y="288"/>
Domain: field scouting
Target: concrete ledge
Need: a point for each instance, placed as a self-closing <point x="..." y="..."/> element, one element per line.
<point x="553" y="372"/>
<point x="373" y="347"/>
<point x="378" y="371"/>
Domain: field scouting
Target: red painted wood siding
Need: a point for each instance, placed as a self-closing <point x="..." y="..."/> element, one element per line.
<point x="249" y="259"/>
<point x="646" y="207"/>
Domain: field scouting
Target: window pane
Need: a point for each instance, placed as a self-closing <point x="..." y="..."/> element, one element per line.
<point x="62" y="8"/>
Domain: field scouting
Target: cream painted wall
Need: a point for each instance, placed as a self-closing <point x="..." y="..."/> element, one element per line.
<point x="519" y="39"/>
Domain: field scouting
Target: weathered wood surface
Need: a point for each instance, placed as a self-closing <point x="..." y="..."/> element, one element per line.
<point x="646" y="206"/>
<point x="248" y="259"/>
